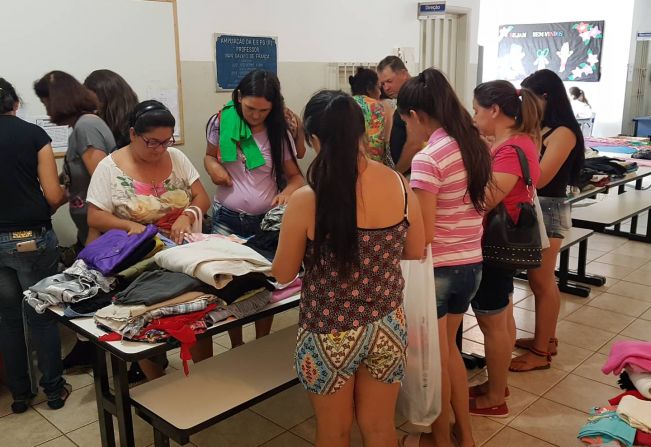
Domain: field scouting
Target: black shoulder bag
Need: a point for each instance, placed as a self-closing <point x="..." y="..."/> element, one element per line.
<point x="509" y="245"/>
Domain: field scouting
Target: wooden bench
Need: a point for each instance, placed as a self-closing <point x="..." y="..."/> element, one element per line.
<point x="567" y="277"/>
<point x="178" y="406"/>
<point x="613" y="211"/>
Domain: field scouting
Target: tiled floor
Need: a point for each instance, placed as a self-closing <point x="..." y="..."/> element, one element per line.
<point x="547" y="407"/>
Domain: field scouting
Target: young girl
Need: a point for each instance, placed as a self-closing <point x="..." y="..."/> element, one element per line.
<point x="511" y="118"/>
<point x="449" y="177"/>
<point x="562" y="156"/>
<point x="350" y="226"/>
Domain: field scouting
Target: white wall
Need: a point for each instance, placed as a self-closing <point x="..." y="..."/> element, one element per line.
<point x="606" y="96"/>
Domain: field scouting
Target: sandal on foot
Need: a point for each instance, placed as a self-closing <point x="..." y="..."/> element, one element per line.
<point x="497" y="411"/>
<point x="527" y="343"/>
<point x="410" y="440"/>
<point x="524" y="364"/>
<point x="476" y="391"/>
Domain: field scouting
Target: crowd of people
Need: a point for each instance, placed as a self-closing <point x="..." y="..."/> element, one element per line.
<point x="400" y="166"/>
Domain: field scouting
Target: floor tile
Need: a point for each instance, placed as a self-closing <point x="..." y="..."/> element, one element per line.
<point x="518" y="401"/>
<point x="469" y="322"/>
<point x="80" y="410"/>
<point x="520" y="294"/>
<point x="631" y="290"/>
<point x="88" y="436"/>
<point x="632" y="248"/>
<point x="591" y="369"/>
<point x="600" y="319"/>
<point x="609" y="270"/>
<point x="567" y="306"/>
<point x="622" y="260"/>
<point x="287" y="409"/>
<point x="551" y="422"/>
<point x="245" y="429"/>
<point x="591" y="255"/>
<point x="475" y="334"/>
<point x="472" y="347"/>
<point x="61" y="441"/>
<point x="620" y="304"/>
<point x="639" y="277"/>
<point x="307" y="431"/>
<point x="524" y="319"/>
<point x="580" y="393"/>
<point x="582" y="336"/>
<point x="287" y="440"/>
<point x="569" y="357"/>
<point x="5" y="401"/>
<point x="285" y="319"/>
<point x="26" y="430"/>
<point x="640" y="329"/>
<point x="512" y="437"/>
<point x="646" y="315"/>
<point x="484" y="428"/>
<point x="536" y="382"/>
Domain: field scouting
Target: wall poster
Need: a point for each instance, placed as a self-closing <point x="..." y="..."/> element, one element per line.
<point x="571" y="49"/>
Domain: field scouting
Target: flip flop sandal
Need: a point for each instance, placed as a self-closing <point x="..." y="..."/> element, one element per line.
<point x="519" y="361"/>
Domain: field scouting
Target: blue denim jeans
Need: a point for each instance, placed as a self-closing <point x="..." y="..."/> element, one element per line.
<point x="455" y="287"/>
<point x="18" y="271"/>
<point x="226" y="221"/>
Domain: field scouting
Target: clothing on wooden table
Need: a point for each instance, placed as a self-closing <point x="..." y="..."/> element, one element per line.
<point x="240" y="285"/>
<point x="265" y="243"/>
<point x="215" y="261"/>
<point x="157" y="286"/>
<point x="635" y="393"/>
<point x="642" y="382"/>
<point x="273" y="219"/>
<point x="292" y="289"/>
<point x="180" y="327"/>
<point x="87" y="308"/>
<point x="76" y="283"/>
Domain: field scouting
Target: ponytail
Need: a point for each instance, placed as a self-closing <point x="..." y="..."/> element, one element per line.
<point x="8" y="96"/>
<point x="522" y="105"/>
<point x="431" y="93"/>
<point x="530" y="116"/>
<point x="337" y="121"/>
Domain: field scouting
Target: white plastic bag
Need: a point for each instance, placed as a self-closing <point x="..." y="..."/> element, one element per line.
<point x="420" y="395"/>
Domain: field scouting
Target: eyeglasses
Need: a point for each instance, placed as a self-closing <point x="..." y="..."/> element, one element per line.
<point x="153" y="144"/>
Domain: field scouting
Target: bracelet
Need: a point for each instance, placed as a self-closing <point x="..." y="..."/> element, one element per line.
<point x="195" y="211"/>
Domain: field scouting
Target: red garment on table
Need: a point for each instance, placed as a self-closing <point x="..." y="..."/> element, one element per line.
<point x="642" y="438"/>
<point x="178" y="327"/>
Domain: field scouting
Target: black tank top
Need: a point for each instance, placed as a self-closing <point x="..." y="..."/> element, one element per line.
<point x="557" y="187"/>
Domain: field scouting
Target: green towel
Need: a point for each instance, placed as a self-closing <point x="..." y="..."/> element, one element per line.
<point x="235" y="133"/>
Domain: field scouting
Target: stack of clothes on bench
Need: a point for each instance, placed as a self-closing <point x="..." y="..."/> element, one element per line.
<point x="626" y="421"/>
<point x="599" y="170"/>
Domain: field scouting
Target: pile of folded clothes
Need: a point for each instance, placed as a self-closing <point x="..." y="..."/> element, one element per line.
<point x="627" y="420"/>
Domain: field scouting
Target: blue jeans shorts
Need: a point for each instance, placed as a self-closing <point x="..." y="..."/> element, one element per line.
<point x="226" y="222"/>
<point x="557" y="216"/>
<point x="455" y="287"/>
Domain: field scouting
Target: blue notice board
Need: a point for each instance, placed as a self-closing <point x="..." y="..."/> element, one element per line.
<point x="235" y="56"/>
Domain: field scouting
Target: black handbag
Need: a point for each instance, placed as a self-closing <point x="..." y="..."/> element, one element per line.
<point x="512" y="246"/>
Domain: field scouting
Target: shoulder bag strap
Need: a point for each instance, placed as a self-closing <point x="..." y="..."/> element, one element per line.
<point x="526" y="173"/>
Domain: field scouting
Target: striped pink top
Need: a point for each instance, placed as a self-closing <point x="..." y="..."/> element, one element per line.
<point x="439" y="169"/>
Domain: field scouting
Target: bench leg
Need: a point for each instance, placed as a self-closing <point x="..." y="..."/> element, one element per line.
<point x="563" y="274"/>
<point x="160" y="440"/>
<point x="580" y="274"/>
<point x="122" y="402"/>
<point x="103" y="396"/>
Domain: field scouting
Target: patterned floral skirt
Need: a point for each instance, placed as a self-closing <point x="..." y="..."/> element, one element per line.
<point x="324" y="362"/>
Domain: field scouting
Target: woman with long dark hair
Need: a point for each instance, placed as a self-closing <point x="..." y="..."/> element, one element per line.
<point x="69" y="103"/>
<point x="449" y="176"/>
<point x="562" y="156"/>
<point x="116" y="102"/>
<point x="251" y="158"/>
<point x="350" y="226"/>
<point x="511" y="118"/>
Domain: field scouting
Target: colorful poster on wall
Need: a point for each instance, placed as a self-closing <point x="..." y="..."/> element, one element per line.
<point x="235" y="56"/>
<point x="571" y="49"/>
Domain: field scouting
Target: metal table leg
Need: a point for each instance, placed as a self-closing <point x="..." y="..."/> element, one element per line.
<point x="104" y="398"/>
<point x="122" y="401"/>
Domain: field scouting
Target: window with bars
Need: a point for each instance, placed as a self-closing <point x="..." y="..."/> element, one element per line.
<point x="339" y="72"/>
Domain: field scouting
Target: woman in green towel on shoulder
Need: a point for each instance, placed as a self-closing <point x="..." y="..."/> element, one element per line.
<point x="251" y="157"/>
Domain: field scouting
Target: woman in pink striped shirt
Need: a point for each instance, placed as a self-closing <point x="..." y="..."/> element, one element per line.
<point x="449" y="176"/>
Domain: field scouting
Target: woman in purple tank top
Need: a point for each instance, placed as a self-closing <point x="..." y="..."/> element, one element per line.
<point x="350" y="227"/>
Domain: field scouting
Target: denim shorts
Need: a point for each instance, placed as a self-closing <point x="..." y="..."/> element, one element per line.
<point x="492" y="297"/>
<point x="226" y="222"/>
<point x="455" y="287"/>
<point x="557" y="216"/>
